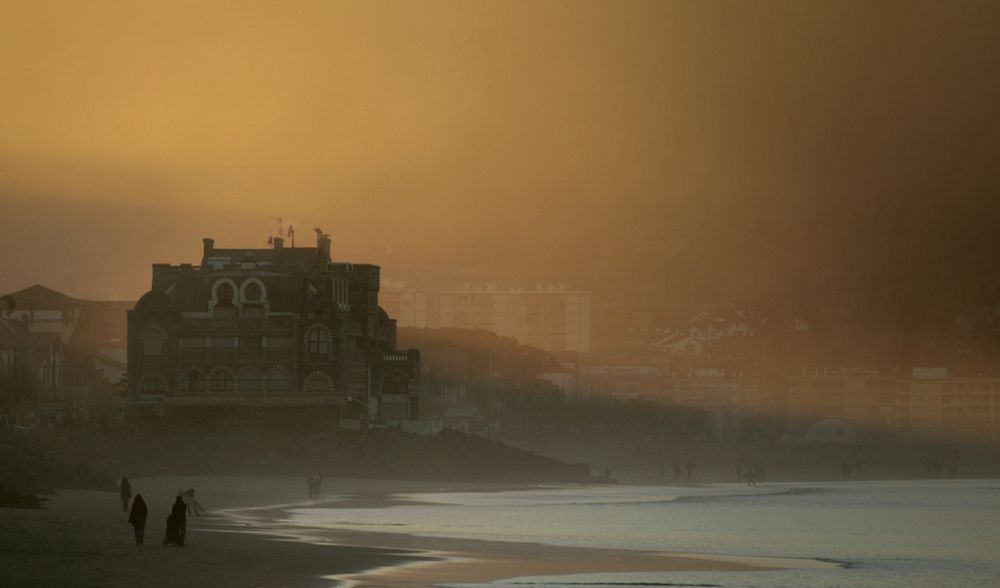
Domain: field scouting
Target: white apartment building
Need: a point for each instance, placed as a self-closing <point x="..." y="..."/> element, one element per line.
<point x="551" y="317"/>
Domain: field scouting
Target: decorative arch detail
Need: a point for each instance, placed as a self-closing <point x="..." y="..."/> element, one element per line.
<point x="249" y="379"/>
<point x="220" y="379"/>
<point x="318" y="382"/>
<point x="215" y="292"/>
<point x="278" y="379"/>
<point x="247" y="290"/>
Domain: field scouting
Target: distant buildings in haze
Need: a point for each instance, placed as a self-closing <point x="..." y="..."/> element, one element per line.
<point x="550" y="317"/>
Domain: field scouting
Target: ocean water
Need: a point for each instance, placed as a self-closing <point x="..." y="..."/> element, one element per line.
<point x="911" y="534"/>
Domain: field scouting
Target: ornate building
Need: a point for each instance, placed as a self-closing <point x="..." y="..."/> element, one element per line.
<point x="258" y="330"/>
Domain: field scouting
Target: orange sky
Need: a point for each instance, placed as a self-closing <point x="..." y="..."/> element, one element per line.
<point x="578" y="141"/>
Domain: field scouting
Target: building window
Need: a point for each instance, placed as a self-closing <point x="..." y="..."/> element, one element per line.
<point x="191" y="342"/>
<point x="250" y="342"/>
<point x="278" y="380"/>
<point x="319" y="340"/>
<point x="253" y="293"/>
<point x="224" y="299"/>
<point x="191" y="381"/>
<point x="249" y="381"/>
<point x="394" y="383"/>
<point x="279" y="342"/>
<point x="152" y="343"/>
<point x="153" y="383"/>
<point x="222" y="381"/>
<point x="224" y="294"/>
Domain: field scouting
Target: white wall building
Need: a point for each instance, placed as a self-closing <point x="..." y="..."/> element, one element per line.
<point x="551" y="317"/>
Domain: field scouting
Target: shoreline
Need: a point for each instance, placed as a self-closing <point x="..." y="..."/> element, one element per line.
<point x="81" y="538"/>
<point x="437" y="560"/>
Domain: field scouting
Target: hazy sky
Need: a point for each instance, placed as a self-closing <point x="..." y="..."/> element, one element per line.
<point x="681" y="150"/>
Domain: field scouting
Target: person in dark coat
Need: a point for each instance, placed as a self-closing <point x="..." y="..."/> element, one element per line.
<point x="177" y="523"/>
<point x="137" y="518"/>
<point x="126" y="493"/>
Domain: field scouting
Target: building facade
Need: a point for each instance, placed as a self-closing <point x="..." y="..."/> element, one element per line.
<point x="265" y="330"/>
<point x="77" y="346"/>
<point x="551" y="317"/>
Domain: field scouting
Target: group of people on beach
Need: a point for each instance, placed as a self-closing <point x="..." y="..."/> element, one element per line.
<point x="184" y="504"/>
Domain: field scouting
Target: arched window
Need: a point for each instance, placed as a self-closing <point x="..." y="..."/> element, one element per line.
<point x="318" y="340"/>
<point x="152" y="343"/>
<point x="278" y="380"/>
<point x="153" y="383"/>
<point x="252" y="295"/>
<point x="224" y="299"/>
<point x="248" y="381"/>
<point x="222" y="381"/>
<point x="318" y="382"/>
<point x="252" y="292"/>
<point x="224" y="294"/>
<point x="191" y="381"/>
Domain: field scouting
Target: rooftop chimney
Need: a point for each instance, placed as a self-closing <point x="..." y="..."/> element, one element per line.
<point x="209" y="247"/>
<point x="323" y="245"/>
<point x="279" y="243"/>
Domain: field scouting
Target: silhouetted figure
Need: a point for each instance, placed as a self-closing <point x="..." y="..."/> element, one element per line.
<point x="126" y="493"/>
<point x="845" y="470"/>
<point x="750" y="478"/>
<point x="314" y="484"/>
<point x="137" y="518"/>
<point x="690" y="470"/>
<point x="193" y="506"/>
<point x="176" y="523"/>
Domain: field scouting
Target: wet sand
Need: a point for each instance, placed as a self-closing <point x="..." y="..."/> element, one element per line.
<point x="83" y="539"/>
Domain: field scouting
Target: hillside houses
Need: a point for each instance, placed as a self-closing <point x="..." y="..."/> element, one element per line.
<point x="76" y="349"/>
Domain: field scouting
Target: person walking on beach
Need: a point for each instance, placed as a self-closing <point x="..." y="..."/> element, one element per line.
<point x="177" y="523"/>
<point x="126" y="493"/>
<point x="314" y="483"/>
<point x="137" y="518"/>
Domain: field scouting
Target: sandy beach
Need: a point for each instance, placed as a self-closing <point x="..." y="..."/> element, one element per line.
<point x="83" y="539"/>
